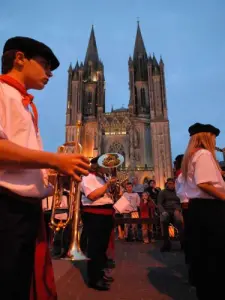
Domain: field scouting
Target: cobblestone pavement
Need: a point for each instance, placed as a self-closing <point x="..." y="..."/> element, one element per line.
<point x="142" y="273"/>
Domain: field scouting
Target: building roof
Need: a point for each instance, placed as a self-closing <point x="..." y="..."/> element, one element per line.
<point x="139" y="48"/>
<point x="119" y="109"/>
<point x="92" y="50"/>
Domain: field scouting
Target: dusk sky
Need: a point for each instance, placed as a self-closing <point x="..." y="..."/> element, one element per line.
<point x="190" y="36"/>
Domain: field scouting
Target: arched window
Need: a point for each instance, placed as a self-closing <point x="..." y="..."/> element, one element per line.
<point x="135" y="99"/>
<point x="143" y="102"/>
<point x="142" y="66"/>
<point x="89" y="96"/>
<point x="115" y="126"/>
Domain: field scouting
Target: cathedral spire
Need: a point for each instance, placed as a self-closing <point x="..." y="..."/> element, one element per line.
<point x="92" y="51"/>
<point x="139" y="48"/>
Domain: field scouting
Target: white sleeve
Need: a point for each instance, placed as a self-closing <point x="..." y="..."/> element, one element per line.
<point x="180" y="189"/>
<point x="89" y="184"/>
<point x="205" y="169"/>
<point x="3" y="134"/>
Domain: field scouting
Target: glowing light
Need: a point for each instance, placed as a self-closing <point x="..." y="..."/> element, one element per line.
<point x="115" y="132"/>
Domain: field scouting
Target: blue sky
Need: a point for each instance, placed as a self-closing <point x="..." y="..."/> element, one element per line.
<point x="190" y="36"/>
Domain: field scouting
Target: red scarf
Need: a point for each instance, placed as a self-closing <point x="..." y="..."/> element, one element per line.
<point x="27" y="98"/>
<point x="177" y="173"/>
<point x="43" y="284"/>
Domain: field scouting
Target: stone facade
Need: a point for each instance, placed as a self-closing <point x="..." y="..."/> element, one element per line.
<point x="141" y="131"/>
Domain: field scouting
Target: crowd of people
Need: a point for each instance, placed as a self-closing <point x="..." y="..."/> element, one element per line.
<point x="161" y="207"/>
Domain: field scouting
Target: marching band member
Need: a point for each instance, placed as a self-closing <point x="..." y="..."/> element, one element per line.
<point x="97" y="217"/>
<point x="25" y="261"/>
<point x="203" y="185"/>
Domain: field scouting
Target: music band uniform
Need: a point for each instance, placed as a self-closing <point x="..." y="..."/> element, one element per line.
<point x="205" y="224"/>
<point x="98" y="221"/>
<point x="22" y="234"/>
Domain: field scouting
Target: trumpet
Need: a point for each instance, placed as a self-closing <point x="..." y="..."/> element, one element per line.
<point x="121" y="176"/>
<point x="74" y="252"/>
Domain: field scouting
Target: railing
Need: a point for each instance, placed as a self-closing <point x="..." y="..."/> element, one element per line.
<point x="128" y="169"/>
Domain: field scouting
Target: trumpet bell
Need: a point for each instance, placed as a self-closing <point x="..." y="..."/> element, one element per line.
<point x="75" y="254"/>
<point x="110" y="160"/>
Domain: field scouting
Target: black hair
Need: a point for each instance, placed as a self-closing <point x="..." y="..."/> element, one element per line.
<point x="8" y="60"/>
<point x="170" y="179"/>
<point x="152" y="180"/>
<point x="178" y="161"/>
<point x="95" y="160"/>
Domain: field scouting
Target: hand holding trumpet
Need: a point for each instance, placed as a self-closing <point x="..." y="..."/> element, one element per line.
<point x="111" y="181"/>
<point x="73" y="165"/>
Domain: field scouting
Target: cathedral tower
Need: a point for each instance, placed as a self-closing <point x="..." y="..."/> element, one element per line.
<point x="141" y="131"/>
<point x="148" y="99"/>
<point x="138" y="77"/>
<point x="86" y="95"/>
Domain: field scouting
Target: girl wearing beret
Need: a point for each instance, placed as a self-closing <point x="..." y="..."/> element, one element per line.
<point x="201" y="182"/>
<point x="25" y="267"/>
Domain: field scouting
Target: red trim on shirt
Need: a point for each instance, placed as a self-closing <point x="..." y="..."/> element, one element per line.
<point x="99" y="211"/>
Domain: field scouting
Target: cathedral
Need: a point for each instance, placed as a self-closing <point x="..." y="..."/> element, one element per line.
<point x="140" y="132"/>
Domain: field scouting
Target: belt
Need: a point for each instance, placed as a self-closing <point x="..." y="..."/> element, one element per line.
<point x="184" y="205"/>
<point x="98" y="211"/>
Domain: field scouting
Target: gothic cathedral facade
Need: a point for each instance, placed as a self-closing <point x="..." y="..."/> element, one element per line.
<point x="140" y="132"/>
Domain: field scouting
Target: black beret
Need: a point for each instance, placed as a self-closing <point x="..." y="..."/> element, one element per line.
<point x="31" y="48"/>
<point x="179" y="157"/>
<point x="198" y="127"/>
<point x="95" y="160"/>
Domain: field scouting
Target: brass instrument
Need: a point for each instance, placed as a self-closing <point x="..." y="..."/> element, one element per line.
<point x="74" y="252"/>
<point x="114" y="190"/>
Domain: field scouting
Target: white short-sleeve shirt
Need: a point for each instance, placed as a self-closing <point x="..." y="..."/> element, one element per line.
<point x="88" y="185"/>
<point x="17" y="126"/>
<point x="202" y="168"/>
<point x="178" y="185"/>
<point x="134" y="200"/>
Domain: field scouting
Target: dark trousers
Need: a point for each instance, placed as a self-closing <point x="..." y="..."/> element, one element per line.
<point x="205" y="228"/>
<point x="185" y="217"/>
<point x="83" y="237"/>
<point x="175" y="218"/>
<point x="19" y="222"/>
<point x="61" y="241"/>
<point x="47" y="217"/>
<point x="98" y="230"/>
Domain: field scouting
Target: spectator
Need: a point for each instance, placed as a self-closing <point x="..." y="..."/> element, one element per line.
<point x="137" y="188"/>
<point x="147" y="208"/>
<point x="170" y="212"/>
<point x="153" y="190"/>
<point x="134" y="200"/>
